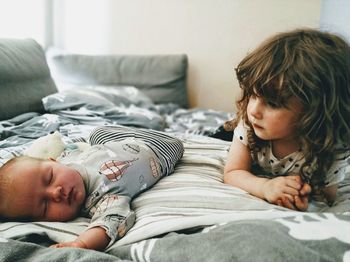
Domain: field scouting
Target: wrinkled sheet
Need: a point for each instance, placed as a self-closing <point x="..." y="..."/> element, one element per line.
<point x="75" y="113"/>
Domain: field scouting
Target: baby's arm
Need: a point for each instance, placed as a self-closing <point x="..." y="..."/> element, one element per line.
<point x="237" y="173"/>
<point x="93" y="238"/>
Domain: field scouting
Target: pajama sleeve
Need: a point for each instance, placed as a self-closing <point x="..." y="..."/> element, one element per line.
<point x="240" y="133"/>
<point x="113" y="214"/>
<point x="339" y="169"/>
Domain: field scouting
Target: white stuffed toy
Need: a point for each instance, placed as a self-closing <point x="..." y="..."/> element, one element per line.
<point x="52" y="146"/>
<point x="49" y="146"/>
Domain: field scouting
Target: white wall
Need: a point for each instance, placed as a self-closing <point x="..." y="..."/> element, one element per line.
<point x="215" y="34"/>
<point x="23" y="19"/>
<point x="335" y="17"/>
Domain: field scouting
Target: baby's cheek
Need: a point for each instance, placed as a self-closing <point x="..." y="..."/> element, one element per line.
<point x="62" y="213"/>
<point x="81" y="197"/>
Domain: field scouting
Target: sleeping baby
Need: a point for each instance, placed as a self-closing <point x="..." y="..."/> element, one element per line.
<point x="97" y="181"/>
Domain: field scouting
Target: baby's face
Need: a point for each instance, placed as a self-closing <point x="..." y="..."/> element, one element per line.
<point x="45" y="190"/>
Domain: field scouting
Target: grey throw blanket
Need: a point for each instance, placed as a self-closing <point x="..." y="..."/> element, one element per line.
<point x="192" y="216"/>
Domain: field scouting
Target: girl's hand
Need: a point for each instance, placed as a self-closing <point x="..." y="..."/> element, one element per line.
<point x="301" y="202"/>
<point x="281" y="188"/>
<point x="77" y="243"/>
<point x="285" y="202"/>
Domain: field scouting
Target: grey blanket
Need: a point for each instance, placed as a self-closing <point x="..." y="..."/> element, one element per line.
<point x="192" y="216"/>
<point x="253" y="240"/>
<point x="246" y="240"/>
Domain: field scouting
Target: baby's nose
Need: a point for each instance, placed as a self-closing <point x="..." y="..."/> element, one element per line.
<point x="57" y="194"/>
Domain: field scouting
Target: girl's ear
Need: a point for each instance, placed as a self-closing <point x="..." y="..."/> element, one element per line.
<point x="52" y="159"/>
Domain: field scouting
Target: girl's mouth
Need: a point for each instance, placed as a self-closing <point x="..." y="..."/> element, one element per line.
<point x="257" y="126"/>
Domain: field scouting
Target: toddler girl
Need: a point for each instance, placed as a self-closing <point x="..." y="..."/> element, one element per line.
<point x="292" y="131"/>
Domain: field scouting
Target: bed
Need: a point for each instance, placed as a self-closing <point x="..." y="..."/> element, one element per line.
<point x="188" y="216"/>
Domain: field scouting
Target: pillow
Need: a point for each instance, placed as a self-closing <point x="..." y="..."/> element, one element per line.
<point x="102" y="96"/>
<point x="72" y="99"/>
<point x="160" y="77"/>
<point x="24" y="77"/>
<point x="126" y="95"/>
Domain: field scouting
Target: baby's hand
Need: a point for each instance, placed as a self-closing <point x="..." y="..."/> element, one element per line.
<point x="93" y="238"/>
<point x="77" y="243"/>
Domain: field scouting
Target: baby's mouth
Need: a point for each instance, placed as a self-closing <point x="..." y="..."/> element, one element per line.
<point x="69" y="198"/>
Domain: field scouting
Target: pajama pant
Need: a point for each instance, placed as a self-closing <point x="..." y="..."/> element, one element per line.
<point x="167" y="148"/>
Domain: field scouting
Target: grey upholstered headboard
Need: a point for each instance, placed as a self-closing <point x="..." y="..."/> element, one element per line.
<point x="24" y="77"/>
<point x="161" y="77"/>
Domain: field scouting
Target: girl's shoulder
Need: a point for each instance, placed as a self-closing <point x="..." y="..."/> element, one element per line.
<point x="342" y="151"/>
<point x="342" y="157"/>
<point x="340" y="169"/>
<point x="241" y="132"/>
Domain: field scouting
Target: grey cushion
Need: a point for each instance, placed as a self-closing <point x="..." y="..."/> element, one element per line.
<point x="160" y="77"/>
<point x="24" y="77"/>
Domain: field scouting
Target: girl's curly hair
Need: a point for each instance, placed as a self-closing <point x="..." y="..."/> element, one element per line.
<point x="314" y="67"/>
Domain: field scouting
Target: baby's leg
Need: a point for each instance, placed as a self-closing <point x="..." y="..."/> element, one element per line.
<point x="168" y="149"/>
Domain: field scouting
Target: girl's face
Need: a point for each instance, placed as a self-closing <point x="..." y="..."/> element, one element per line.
<point x="271" y="122"/>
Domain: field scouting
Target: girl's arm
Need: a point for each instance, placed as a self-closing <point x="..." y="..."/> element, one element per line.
<point x="237" y="173"/>
<point x="330" y="193"/>
<point x="237" y="169"/>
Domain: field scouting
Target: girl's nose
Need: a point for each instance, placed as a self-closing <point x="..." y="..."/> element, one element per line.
<point x="255" y="108"/>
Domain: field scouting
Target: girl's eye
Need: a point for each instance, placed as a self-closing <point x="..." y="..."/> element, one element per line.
<point x="273" y="104"/>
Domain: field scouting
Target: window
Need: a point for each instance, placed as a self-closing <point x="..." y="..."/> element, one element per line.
<point x="26" y="19"/>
